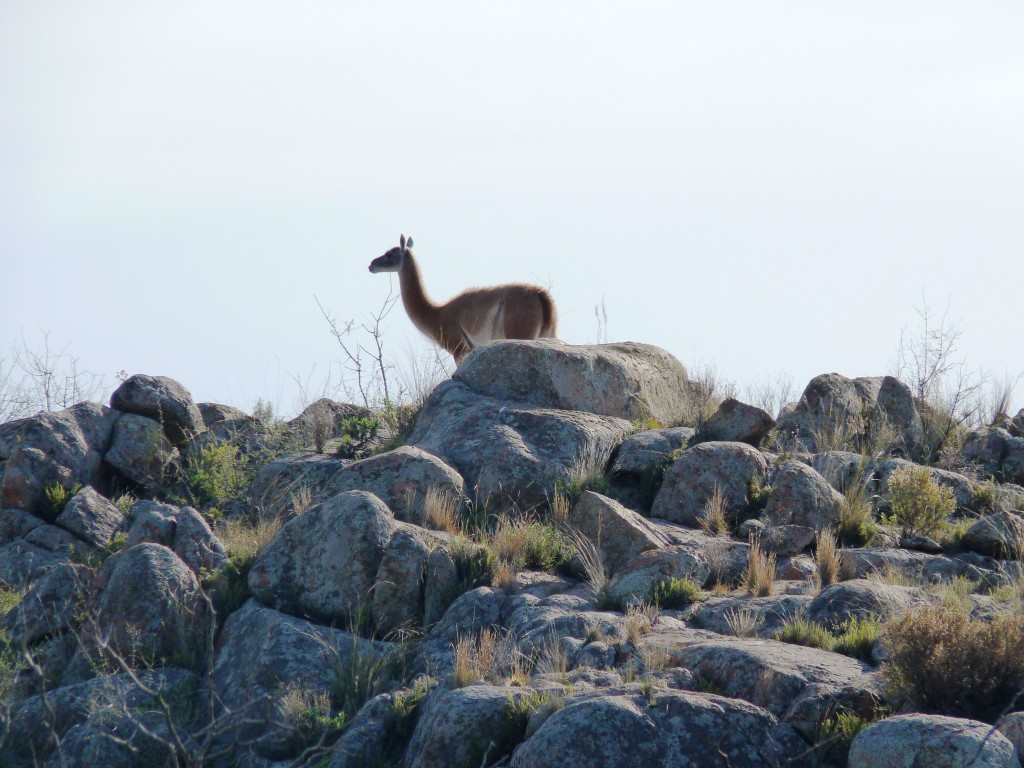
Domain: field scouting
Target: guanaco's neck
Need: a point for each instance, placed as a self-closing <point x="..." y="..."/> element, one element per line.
<point x="421" y="310"/>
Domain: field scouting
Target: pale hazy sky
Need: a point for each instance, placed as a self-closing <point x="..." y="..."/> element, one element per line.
<point x="768" y="186"/>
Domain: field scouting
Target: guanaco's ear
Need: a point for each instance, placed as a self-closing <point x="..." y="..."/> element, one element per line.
<point x="401" y="241"/>
<point x="408" y="243"/>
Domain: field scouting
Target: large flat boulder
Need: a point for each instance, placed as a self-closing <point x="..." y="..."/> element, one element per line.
<point x="625" y="380"/>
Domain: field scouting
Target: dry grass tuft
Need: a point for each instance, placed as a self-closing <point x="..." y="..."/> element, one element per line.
<point x="244" y="540"/>
<point x="827" y="558"/>
<point x="491" y="655"/>
<point x="761" y="566"/>
<point x="743" y="622"/>
<point x="640" y="620"/>
<point x="713" y="520"/>
<point x="440" y="511"/>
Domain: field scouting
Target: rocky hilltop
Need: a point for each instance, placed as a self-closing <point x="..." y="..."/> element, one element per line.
<point x="569" y="556"/>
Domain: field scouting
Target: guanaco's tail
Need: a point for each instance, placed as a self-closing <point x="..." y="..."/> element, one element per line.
<point x="549" y="316"/>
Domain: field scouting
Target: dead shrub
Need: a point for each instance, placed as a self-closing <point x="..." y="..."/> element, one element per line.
<point x="948" y="663"/>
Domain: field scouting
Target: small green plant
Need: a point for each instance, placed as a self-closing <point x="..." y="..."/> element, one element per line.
<point x="984" y="496"/>
<point x="758" y="493"/>
<point x="836" y="732"/>
<point x="856" y="637"/>
<point x="57" y="497"/>
<point x="357" y="432"/>
<point x="124" y="503"/>
<point x="920" y="506"/>
<point x="675" y="593"/>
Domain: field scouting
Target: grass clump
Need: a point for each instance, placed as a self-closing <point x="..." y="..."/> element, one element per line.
<point x="582" y="477"/>
<point x="920" y="506"/>
<point x="490" y="655"/>
<point x="827" y="558"/>
<point x="675" y="593"/>
<point x="948" y="663"/>
<point x="713" y="520"/>
<point x="529" y="544"/>
<point x="760" y="574"/>
<point x="743" y="622"/>
<point x="854" y="638"/>
<point x="856" y="526"/>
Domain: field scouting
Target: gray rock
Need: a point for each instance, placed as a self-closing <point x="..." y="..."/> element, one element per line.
<point x="1013" y="463"/>
<point x="73" y="442"/>
<point x="324" y="563"/>
<point x="787" y="540"/>
<point x="673" y="729"/>
<point x="325" y="413"/>
<point x="768" y="614"/>
<point x="986" y="448"/>
<point x="835" y="411"/>
<point x="1000" y="534"/>
<point x="440" y="583"/>
<point x="28" y="547"/>
<point x="262" y="655"/>
<point x="401" y="479"/>
<point x="736" y="422"/>
<point x="40" y="718"/>
<point x="48" y="607"/>
<point x="1012" y="727"/>
<point x="636" y="580"/>
<point x="27" y="475"/>
<point x="862" y="598"/>
<point x="466" y="727"/>
<point x="398" y="590"/>
<point x="626" y="380"/>
<point x="648" y="451"/>
<point x="512" y="453"/>
<point x="140" y="451"/>
<point x="693" y="477"/>
<point x="92" y="517"/>
<point x="162" y="399"/>
<point x="150" y="611"/>
<point x="184" y="530"/>
<point x="619" y="533"/>
<point x="906" y="741"/>
<point x="768" y="673"/>
<point x="280" y="482"/>
<point x="114" y="737"/>
<point x="800" y="496"/>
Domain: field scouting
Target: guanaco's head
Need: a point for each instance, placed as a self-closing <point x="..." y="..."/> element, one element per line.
<point x="392" y="260"/>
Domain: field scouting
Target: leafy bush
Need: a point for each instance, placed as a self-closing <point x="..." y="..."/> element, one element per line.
<point x="217" y="474"/>
<point x="920" y="506"/>
<point x="356" y="434"/>
<point x="948" y="663"/>
<point x="57" y="497"/>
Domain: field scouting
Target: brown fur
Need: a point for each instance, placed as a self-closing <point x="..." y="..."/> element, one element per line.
<point x="476" y="316"/>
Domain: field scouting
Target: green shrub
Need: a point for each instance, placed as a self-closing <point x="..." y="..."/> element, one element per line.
<point x="948" y="663"/>
<point x="920" y="506"/>
<point x="216" y="475"/>
<point x="356" y="434"/>
<point x="675" y="593"/>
